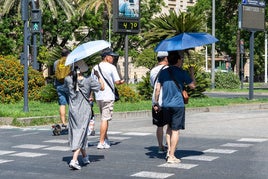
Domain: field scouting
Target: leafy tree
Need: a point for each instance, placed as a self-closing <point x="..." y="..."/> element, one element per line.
<point x="229" y="35"/>
<point x="8" y="5"/>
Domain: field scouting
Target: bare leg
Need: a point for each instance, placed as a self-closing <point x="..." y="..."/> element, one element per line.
<point x="62" y="114"/>
<point x="75" y="154"/>
<point x="168" y="138"/>
<point x="173" y="142"/>
<point x="103" y="130"/>
<point x="159" y="135"/>
<point x="84" y="154"/>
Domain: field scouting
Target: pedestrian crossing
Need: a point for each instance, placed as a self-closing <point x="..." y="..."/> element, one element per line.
<point x="58" y="144"/>
<point x="188" y="162"/>
<point x="221" y="152"/>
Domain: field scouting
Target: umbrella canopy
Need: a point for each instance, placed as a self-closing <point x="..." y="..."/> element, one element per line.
<point x="85" y="50"/>
<point x="185" y="41"/>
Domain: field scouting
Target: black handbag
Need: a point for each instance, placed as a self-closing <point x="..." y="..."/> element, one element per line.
<point x="115" y="91"/>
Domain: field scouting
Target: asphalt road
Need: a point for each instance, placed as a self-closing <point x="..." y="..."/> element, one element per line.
<point x="218" y="144"/>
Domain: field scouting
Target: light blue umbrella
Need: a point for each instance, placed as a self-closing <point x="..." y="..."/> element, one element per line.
<point x="185" y="41"/>
<point x="86" y="50"/>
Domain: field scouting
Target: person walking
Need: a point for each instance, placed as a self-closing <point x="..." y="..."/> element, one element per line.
<point x="172" y="101"/>
<point x="158" y="118"/>
<point x="80" y="87"/>
<point x="105" y="99"/>
<point x="61" y="89"/>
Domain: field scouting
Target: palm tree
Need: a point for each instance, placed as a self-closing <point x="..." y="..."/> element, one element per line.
<point x="168" y="25"/>
<point x="66" y="5"/>
<point x="97" y="5"/>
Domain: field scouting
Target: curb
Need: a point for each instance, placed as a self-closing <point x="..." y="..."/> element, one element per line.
<point x="148" y="113"/>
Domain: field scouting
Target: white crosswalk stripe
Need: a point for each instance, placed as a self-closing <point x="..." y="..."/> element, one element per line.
<point x="155" y="175"/>
<point x="4" y="152"/>
<point x="236" y="145"/>
<point x="28" y="154"/>
<point x="29" y="146"/>
<point x="178" y="165"/>
<point x="220" y="151"/>
<point x="5" y="161"/>
<point x="200" y="158"/>
<point x="252" y="140"/>
<point x="58" y="148"/>
<point x="137" y="133"/>
<point x="58" y="141"/>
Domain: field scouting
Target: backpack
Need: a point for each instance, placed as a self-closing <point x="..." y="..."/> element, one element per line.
<point x="61" y="70"/>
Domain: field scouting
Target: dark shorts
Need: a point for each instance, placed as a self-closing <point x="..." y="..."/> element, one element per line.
<point x="158" y="118"/>
<point x="175" y="117"/>
<point x="62" y="95"/>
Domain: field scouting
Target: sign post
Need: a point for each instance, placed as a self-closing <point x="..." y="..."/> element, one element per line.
<point x="251" y="18"/>
<point x="126" y="21"/>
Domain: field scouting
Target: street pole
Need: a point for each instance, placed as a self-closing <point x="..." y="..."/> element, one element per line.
<point x="213" y="48"/>
<point x="251" y="65"/>
<point x="126" y="59"/>
<point x="26" y="35"/>
<point x="265" y="58"/>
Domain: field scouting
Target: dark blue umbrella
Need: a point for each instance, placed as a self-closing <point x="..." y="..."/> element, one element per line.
<point x="185" y="41"/>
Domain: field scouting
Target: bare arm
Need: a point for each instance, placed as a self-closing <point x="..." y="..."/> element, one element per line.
<point x="99" y="79"/>
<point x="156" y="97"/>
<point x="192" y="85"/>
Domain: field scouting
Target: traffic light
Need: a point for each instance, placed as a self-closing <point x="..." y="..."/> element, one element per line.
<point x="36" y="21"/>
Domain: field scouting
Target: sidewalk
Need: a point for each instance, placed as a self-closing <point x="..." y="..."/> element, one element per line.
<point x="147" y="113"/>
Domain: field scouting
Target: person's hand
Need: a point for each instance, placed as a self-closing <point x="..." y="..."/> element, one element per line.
<point x="156" y="107"/>
<point x="96" y="73"/>
<point x="122" y="81"/>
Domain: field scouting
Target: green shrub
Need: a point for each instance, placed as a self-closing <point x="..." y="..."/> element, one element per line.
<point x="12" y="81"/>
<point x="226" y="80"/>
<point x="201" y="79"/>
<point x="202" y="83"/>
<point x="144" y="87"/>
<point x="48" y="93"/>
<point x="127" y="94"/>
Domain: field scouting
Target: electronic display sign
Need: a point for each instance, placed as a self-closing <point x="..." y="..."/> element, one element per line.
<point x="126" y="14"/>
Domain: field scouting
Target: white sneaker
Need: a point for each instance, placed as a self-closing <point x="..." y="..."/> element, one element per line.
<point x="85" y="160"/>
<point x="103" y="146"/>
<point x="107" y="142"/>
<point x="74" y="165"/>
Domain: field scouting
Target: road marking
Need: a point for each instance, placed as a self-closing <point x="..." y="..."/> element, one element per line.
<point x="58" y="148"/>
<point x="200" y="158"/>
<point x="146" y="174"/>
<point x="118" y="138"/>
<point x="252" y="140"/>
<point x="220" y="151"/>
<point x="28" y="154"/>
<point x="113" y="132"/>
<point x="29" y="146"/>
<point x="137" y="133"/>
<point x="236" y="145"/>
<point x="19" y="135"/>
<point x="178" y="165"/>
<point x="58" y="141"/>
<point x="5" y="161"/>
<point x="4" y="152"/>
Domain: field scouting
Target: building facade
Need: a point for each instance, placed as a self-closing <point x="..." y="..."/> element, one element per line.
<point x="178" y="5"/>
